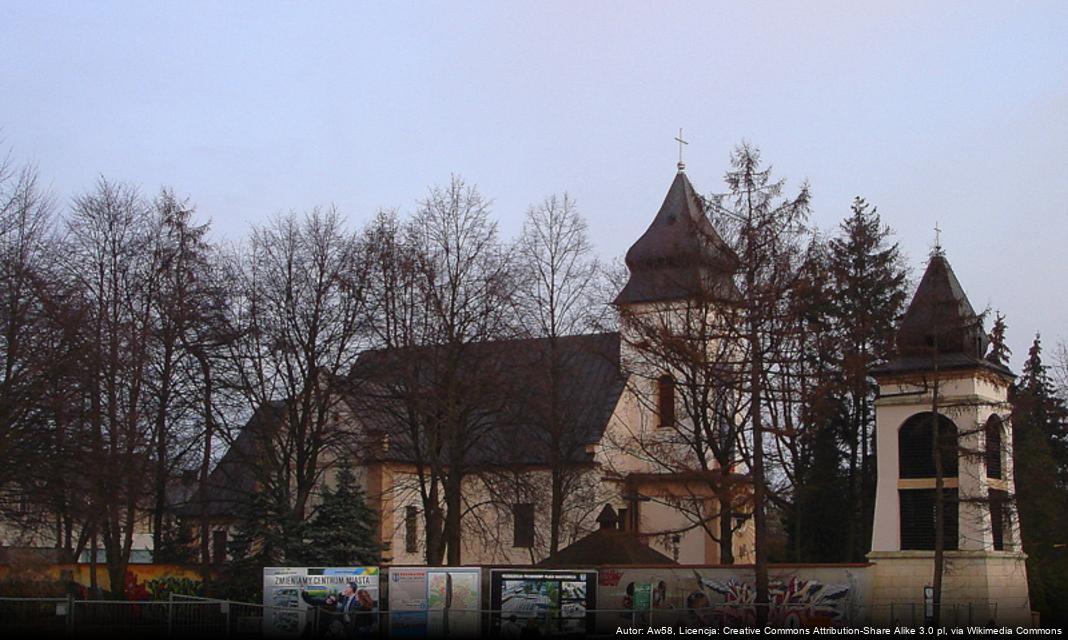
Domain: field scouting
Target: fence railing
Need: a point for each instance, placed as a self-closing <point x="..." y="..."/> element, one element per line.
<point x="191" y="616"/>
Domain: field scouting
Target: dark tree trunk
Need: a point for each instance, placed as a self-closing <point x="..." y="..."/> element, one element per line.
<point x="726" y="527"/>
<point x="759" y="518"/>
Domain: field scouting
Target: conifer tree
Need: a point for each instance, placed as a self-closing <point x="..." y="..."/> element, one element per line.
<point x="999" y="351"/>
<point x="868" y="294"/>
<point x="766" y="231"/>
<point x="342" y="531"/>
<point x="811" y="389"/>
<point x="266" y="538"/>
<point x="1040" y="451"/>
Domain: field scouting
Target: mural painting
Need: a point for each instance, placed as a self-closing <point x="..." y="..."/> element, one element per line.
<point x="801" y="597"/>
<point x="143" y="581"/>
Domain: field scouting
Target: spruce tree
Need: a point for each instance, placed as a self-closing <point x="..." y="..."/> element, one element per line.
<point x="1040" y="453"/>
<point x="999" y="351"/>
<point x="342" y="531"/>
<point x="813" y="461"/>
<point x="265" y="538"/>
<point x="868" y="283"/>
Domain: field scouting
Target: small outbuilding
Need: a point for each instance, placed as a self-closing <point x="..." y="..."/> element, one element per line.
<point x="608" y="545"/>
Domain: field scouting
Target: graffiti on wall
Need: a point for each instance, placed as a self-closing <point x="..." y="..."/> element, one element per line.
<point x="142" y="581"/>
<point x="801" y="596"/>
<point x="794" y="603"/>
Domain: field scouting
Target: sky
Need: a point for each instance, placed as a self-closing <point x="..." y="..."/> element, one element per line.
<point x="953" y="113"/>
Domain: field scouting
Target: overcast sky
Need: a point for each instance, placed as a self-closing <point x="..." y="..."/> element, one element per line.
<point x="947" y="112"/>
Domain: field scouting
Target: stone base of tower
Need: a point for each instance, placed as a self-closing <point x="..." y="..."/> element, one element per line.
<point x="978" y="587"/>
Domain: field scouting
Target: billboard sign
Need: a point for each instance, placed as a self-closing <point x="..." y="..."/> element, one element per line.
<point x="542" y="603"/>
<point x="326" y="601"/>
<point x="434" y="602"/>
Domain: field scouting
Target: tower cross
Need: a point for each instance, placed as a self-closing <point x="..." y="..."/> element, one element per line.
<point x="938" y="238"/>
<point x="681" y="142"/>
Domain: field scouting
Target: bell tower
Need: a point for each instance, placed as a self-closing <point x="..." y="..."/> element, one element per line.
<point x="943" y="410"/>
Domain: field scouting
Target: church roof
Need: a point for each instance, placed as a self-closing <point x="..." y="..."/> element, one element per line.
<point x="507" y="416"/>
<point x="507" y="393"/>
<point x="233" y="480"/>
<point x="940" y="316"/>
<point x="680" y="255"/>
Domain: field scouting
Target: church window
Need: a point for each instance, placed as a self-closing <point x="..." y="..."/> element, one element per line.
<point x="411" y="529"/>
<point x="918" y="518"/>
<point x="993" y="447"/>
<point x="665" y="397"/>
<point x="523" y="525"/>
<point x="915" y="447"/>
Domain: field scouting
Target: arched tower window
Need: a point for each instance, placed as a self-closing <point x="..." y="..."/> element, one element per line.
<point x="994" y="429"/>
<point x="916" y="461"/>
<point x="915" y="447"/>
<point x="665" y="400"/>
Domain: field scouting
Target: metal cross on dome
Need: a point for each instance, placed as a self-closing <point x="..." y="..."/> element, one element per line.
<point x="681" y="142"/>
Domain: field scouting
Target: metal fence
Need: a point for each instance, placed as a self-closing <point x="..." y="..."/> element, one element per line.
<point x="197" y="617"/>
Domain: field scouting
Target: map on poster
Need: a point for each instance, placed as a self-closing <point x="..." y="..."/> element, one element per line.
<point x="436" y="602"/>
<point x="549" y="603"/>
<point x="323" y="601"/>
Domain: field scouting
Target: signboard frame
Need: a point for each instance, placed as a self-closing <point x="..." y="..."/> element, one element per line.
<point x="558" y="602"/>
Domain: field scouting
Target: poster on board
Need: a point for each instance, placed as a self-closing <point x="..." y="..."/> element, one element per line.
<point x="334" y="602"/>
<point x="434" y="602"/>
<point x="542" y="603"/>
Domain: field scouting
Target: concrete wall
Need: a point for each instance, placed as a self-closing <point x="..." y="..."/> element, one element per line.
<point x="978" y="587"/>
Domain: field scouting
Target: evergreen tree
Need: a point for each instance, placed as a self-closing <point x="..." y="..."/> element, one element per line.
<point x="342" y="531"/>
<point x="267" y="537"/>
<point x="1040" y="453"/>
<point x="999" y="351"/>
<point x="813" y="463"/>
<point x="177" y="545"/>
<point x="868" y="294"/>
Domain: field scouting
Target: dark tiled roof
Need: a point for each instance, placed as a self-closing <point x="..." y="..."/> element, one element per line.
<point x="506" y="392"/>
<point x="680" y="255"/>
<point x="508" y="413"/>
<point x="946" y="362"/>
<point x="940" y="315"/>
<point x="233" y="480"/>
<point x="608" y="545"/>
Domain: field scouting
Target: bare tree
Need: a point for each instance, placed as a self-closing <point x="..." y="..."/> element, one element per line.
<point x="766" y="231"/>
<point x="108" y="257"/>
<point x="558" y="292"/>
<point x="192" y="335"/>
<point x="466" y="280"/>
<point x="445" y="285"/>
<point x="299" y="312"/>
<point x="28" y="335"/>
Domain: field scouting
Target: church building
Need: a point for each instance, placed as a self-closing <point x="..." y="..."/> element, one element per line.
<point x="614" y="414"/>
